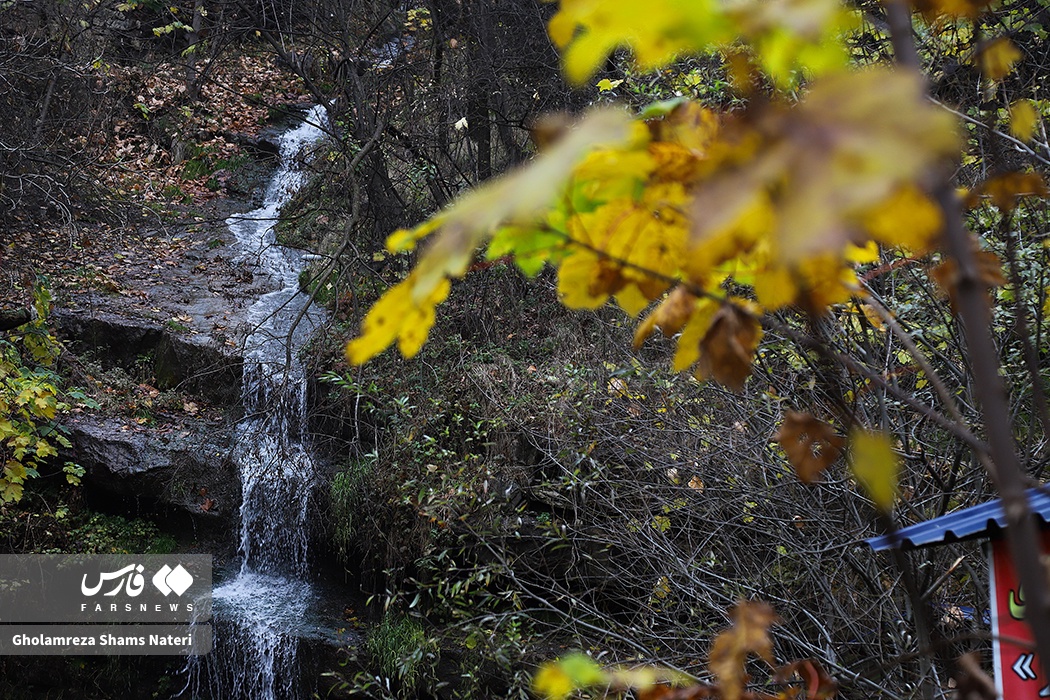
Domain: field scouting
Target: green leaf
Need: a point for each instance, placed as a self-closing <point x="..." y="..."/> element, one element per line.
<point x="661" y="108"/>
<point x="10" y="492"/>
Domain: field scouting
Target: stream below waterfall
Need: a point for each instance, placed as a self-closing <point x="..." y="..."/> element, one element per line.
<point x="264" y="608"/>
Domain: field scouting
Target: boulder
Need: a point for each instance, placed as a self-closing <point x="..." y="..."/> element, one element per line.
<point x="197" y="364"/>
<point x="174" y="471"/>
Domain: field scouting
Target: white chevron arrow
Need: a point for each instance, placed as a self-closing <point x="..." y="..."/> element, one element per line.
<point x="1023" y="667"/>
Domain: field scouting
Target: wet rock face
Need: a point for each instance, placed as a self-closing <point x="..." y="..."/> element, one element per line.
<point x="197" y="364"/>
<point x="170" y="468"/>
<point x="175" y="472"/>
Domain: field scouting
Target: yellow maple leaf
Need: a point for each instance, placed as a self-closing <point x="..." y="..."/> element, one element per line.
<point x="997" y="58"/>
<point x="875" y="466"/>
<point x="906" y="218"/>
<point x="397" y="316"/>
<point x="15" y="472"/>
<point x="10" y="491"/>
<point x="1023" y="119"/>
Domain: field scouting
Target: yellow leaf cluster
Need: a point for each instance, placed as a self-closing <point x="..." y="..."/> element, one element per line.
<point x="587" y="31"/>
<point x="795" y="192"/>
<point x="405" y="313"/>
<point x="716" y="221"/>
<point x="786" y="35"/>
<point x="28" y="404"/>
<point x="626" y="248"/>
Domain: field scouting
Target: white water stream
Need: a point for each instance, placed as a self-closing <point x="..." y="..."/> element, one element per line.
<point x="260" y="611"/>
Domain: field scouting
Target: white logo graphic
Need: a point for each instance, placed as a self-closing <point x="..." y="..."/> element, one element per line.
<point x="175" y="580"/>
<point x="130" y="578"/>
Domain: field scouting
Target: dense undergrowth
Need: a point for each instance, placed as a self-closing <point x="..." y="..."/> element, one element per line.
<point x="526" y="484"/>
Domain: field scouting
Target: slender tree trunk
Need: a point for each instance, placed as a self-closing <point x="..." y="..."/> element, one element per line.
<point x="973" y="303"/>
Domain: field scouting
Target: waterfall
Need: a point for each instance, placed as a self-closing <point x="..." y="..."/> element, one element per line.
<point x="257" y="612"/>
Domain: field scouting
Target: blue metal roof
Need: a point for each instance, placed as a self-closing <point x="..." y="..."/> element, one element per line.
<point x="964" y="524"/>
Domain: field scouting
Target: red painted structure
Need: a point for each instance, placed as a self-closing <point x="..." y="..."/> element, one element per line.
<point x="1018" y="675"/>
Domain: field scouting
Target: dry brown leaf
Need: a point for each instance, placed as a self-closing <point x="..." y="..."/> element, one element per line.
<point x="748" y="635"/>
<point x="666" y="692"/>
<point x="670" y="316"/>
<point x="1006" y="188"/>
<point x="819" y="685"/>
<point x="989" y="272"/>
<point x="549" y="128"/>
<point x="935" y="9"/>
<point x="811" y="445"/>
<point x="728" y="347"/>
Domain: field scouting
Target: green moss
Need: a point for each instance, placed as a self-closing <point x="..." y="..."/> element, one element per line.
<point x="106" y="534"/>
<point x="324" y="290"/>
<point x="54" y="519"/>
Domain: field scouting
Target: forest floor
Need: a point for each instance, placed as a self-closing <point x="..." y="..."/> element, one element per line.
<point x="157" y="247"/>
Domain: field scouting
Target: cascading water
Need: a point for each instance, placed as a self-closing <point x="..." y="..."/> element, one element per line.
<point x="257" y="612"/>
